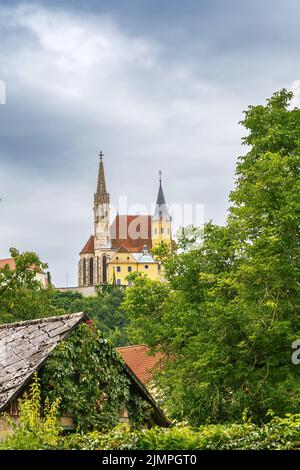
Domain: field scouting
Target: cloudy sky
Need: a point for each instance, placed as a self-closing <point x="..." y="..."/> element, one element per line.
<point x="155" y="84"/>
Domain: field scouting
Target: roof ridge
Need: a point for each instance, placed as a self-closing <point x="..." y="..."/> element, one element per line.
<point x="66" y="316"/>
<point x="133" y="346"/>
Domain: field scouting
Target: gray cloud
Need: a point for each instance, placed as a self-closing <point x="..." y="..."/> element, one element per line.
<point x="151" y="93"/>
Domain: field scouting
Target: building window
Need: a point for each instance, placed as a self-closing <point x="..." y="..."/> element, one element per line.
<point x="130" y="283"/>
<point x="146" y="266"/>
<point x="127" y="257"/>
<point x="91" y="277"/>
<point x="155" y="231"/>
<point x="118" y="269"/>
<point x="117" y="257"/>
<point x="129" y="269"/>
<point x="118" y="282"/>
<point x="84" y="272"/>
<point x="162" y="230"/>
<point x="104" y="269"/>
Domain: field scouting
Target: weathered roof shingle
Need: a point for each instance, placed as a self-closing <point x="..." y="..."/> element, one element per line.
<point x="24" y="347"/>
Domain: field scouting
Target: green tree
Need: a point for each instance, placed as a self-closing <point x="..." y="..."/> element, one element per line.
<point x="105" y="309"/>
<point x="22" y="296"/>
<point x="229" y="310"/>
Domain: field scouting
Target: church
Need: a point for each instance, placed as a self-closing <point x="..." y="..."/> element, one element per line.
<point x="124" y="246"/>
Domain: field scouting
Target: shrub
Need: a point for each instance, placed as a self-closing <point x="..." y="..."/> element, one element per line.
<point x="34" y="431"/>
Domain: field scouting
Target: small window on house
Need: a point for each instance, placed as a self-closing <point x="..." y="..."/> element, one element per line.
<point x="118" y="269"/>
<point x="118" y="282"/>
<point x="129" y="269"/>
<point x="146" y="266"/>
<point x="130" y="283"/>
<point x="162" y="230"/>
<point x="127" y="257"/>
<point x="117" y="257"/>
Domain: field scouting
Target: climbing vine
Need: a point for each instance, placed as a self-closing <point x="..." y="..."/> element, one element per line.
<point x="87" y="374"/>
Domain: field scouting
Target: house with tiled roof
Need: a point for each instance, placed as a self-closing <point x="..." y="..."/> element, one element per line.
<point x="25" y="348"/>
<point x="40" y="276"/>
<point x="141" y="361"/>
<point x="122" y="246"/>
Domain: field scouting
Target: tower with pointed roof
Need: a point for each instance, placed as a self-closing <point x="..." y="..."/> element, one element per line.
<point x="101" y="210"/>
<point x="161" y="220"/>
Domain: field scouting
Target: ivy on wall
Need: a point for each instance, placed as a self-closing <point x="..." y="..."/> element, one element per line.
<point x="87" y="374"/>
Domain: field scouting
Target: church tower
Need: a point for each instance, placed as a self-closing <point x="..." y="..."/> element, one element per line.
<point x="101" y="210"/>
<point x="161" y="220"/>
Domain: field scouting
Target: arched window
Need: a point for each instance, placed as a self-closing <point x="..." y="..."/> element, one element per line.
<point x="84" y="271"/>
<point x="91" y="277"/>
<point x="98" y="269"/>
<point x="104" y="269"/>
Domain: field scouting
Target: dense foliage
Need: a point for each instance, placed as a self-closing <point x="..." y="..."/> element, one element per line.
<point x="105" y="309"/>
<point x="87" y="375"/>
<point x="22" y="296"/>
<point x="230" y="309"/>
<point x="33" y="430"/>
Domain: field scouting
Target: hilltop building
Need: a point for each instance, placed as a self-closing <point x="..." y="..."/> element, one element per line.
<point x="115" y="250"/>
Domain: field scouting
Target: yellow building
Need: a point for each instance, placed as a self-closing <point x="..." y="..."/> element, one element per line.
<point x="124" y="263"/>
<point x="124" y="246"/>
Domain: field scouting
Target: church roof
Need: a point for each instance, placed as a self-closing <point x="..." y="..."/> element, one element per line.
<point x="88" y="247"/>
<point x="161" y="210"/>
<point x="131" y="232"/>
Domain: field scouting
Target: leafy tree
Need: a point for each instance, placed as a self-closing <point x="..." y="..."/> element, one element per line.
<point x="22" y="296"/>
<point x="105" y="309"/>
<point x="229" y="310"/>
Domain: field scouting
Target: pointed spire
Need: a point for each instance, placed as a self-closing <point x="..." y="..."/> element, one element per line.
<point x="161" y="210"/>
<point x="160" y="197"/>
<point x="101" y="186"/>
<point x="101" y="195"/>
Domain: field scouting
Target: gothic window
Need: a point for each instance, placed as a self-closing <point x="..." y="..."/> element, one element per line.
<point x="162" y="230"/>
<point x="98" y="269"/>
<point x="104" y="269"/>
<point x="91" y="276"/>
<point x="84" y="271"/>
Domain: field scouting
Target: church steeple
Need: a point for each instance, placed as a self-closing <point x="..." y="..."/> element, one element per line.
<point x="161" y="220"/>
<point x="101" y="195"/>
<point x="101" y="209"/>
<point x="161" y="210"/>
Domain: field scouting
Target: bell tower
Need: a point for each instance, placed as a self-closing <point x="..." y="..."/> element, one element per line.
<point x="101" y="210"/>
<point x="161" y="220"/>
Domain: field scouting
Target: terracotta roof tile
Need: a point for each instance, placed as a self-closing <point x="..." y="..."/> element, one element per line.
<point x="140" y="362"/>
<point x="131" y="232"/>
<point x="8" y="262"/>
<point x="88" y="247"/>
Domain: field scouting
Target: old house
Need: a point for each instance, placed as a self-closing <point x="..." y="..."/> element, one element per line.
<point x="32" y="346"/>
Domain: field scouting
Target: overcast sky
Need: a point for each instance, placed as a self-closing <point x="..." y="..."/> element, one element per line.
<point x="154" y="84"/>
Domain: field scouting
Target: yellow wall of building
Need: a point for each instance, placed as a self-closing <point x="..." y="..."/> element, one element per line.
<point x="125" y="261"/>
<point x="161" y="232"/>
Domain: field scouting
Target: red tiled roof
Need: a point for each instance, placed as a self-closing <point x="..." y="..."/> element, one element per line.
<point x="131" y="232"/>
<point x="9" y="262"/>
<point x="88" y="247"/>
<point x="140" y="362"/>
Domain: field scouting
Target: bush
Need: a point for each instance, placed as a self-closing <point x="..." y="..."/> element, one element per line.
<point x="34" y="432"/>
<point x="278" y="434"/>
